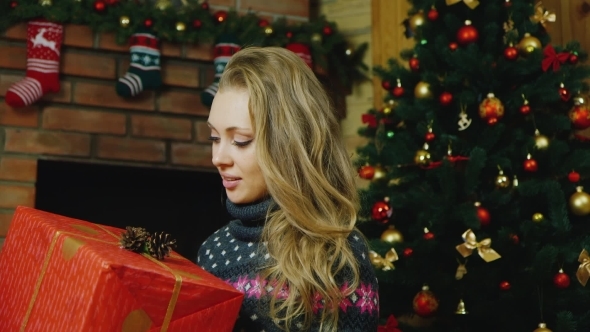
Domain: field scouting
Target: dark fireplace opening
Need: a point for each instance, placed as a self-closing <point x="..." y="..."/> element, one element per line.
<point x="186" y="204"/>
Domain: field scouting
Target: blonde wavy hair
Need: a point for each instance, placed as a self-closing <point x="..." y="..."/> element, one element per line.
<point x="310" y="177"/>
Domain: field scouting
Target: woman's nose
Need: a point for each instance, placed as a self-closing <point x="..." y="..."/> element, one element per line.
<point x="221" y="155"/>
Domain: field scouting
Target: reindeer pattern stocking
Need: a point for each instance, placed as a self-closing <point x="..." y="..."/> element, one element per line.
<point x="44" y="41"/>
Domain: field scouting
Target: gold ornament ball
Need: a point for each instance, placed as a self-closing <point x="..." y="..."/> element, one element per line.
<point x="392" y="235"/>
<point x="541" y="142"/>
<point x="416" y="20"/>
<point x="180" y="26"/>
<point x="422" y="158"/>
<point x="502" y="181"/>
<point x="542" y="328"/>
<point x="316" y="37"/>
<point x="387" y="110"/>
<point x="538" y="217"/>
<point x="268" y="31"/>
<point x="580" y="202"/>
<point x="528" y="44"/>
<point x="422" y="90"/>
<point x="45" y="2"/>
<point x="124" y="21"/>
<point x="379" y="173"/>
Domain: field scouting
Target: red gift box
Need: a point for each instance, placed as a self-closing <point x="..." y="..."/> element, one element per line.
<point x="64" y="274"/>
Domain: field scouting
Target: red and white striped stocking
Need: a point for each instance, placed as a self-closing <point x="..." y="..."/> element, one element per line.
<point x="44" y="41"/>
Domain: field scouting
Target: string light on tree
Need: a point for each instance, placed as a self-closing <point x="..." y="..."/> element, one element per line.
<point x="124" y="21"/>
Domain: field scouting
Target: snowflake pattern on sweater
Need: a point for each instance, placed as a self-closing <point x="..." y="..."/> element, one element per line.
<point x="234" y="254"/>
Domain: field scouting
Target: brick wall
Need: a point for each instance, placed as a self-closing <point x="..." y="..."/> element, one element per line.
<point x="88" y="122"/>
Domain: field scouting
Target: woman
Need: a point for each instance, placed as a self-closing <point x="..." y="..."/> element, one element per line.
<point x="293" y="248"/>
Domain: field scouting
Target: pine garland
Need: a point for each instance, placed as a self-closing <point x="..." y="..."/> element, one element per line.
<point x="194" y="23"/>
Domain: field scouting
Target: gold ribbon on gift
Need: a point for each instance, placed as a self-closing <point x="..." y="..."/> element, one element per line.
<point x="469" y="3"/>
<point x="483" y="247"/>
<point x="384" y="263"/>
<point x="171" y="302"/>
<point x="583" y="273"/>
<point x="542" y="16"/>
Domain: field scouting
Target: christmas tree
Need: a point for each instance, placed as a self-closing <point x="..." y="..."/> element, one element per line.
<point x="477" y="165"/>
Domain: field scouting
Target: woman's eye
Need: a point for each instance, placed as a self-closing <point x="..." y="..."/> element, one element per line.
<point x="242" y="143"/>
<point x="213" y="139"/>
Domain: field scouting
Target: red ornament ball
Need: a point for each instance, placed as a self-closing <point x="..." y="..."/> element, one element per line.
<point x="573" y="176"/>
<point x="220" y="16"/>
<point x="511" y="53"/>
<point x="507" y="4"/>
<point x="530" y="165"/>
<point x="564" y="94"/>
<point x="515" y="239"/>
<point x="433" y="14"/>
<point x="327" y="30"/>
<point x="381" y="212"/>
<point x="505" y="285"/>
<point x="99" y="6"/>
<point x="148" y="23"/>
<point x="561" y="280"/>
<point x="197" y="24"/>
<point x="573" y="59"/>
<point x="525" y="109"/>
<point x="408" y="252"/>
<point x="263" y="23"/>
<point x="425" y="302"/>
<point x="484" y="216"/>
<point x="414" y="64"/>
<point x="429" y="137"/>
<point x="445" y="98"/>
<point x="205" y="5"/>
<point x="289" y="34"/>
<point x="428" y="236"/>
<point x="367" y="172"/>
<point x="13" y="4"/>
<point x="467" y="34"/>
<point x="398" y="91"/>
<point x="453" y="46"/>
<point x="386" y="85"/>
<point x="111" y="2"/>
<point x="580" y="116"/>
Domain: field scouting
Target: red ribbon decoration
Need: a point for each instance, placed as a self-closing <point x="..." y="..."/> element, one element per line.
<point x="370" y="119"/>
<point x="553" y="59"/>
<point x="390" y="326"/>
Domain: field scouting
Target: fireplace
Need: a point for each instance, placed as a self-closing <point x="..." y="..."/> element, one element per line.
<point x="186" y="204"/>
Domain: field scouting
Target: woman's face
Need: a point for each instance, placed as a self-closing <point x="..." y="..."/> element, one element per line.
<point x="234" y="152"/>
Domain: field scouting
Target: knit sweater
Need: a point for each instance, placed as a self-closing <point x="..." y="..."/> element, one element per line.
<point x="235" y="254"/>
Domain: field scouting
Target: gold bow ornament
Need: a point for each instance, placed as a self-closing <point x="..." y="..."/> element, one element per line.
<point x="583" y="273"/>
<point x="542" y="16"/>
<point x="469" y="3"/>
<point x="384" y="263"/>
<point x="483" y="248"/>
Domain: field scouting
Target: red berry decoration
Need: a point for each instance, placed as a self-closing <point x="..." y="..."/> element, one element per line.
<point x="573" y="58"/>
<point x="408" y="252"/>
<point x="525" y="108"/>
<point x="367" y="172"/>
<point x="511" y="53"/>
<point x="483" y="215"/>
<point x="220" y="16"/>
<point x="445" y="98"/>
<point x="327" y="30"/>
<point x="386" y="85"/>
<point x="99" y="6"/>
<point x="573" y="176"/>
<point x="530" y="164"/>
<point x="428" y="236"/>
<point x="561" y="280"/>
<point x="289" y="34"/>
<point x="425" y="302"/>
<point x="13" y="4"/>
<point x="467" y="34"/>
<point x="148" y="23"/>
<point x="430" y="136"/>
<point x="515" y="239"/>
<point x="263" y="23"/>
<point x="205" y="5"/>
<point x="197" y="24"/>
<point x="381" y="212"/>
<point x="453" y="46"/>
<point x="414" y="64"/>
<point x="433" y="14"/>
<point x="505" y="285"/>
<point x="564" y="94"/>
<point x="580" y="116"/>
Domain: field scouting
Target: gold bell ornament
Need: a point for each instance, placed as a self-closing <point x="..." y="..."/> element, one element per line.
<point x="461" y="308"/>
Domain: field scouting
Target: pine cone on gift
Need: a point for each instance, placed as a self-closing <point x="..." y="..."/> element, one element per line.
<point x="160" y="244"/>
<point x="134" y="239"/>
